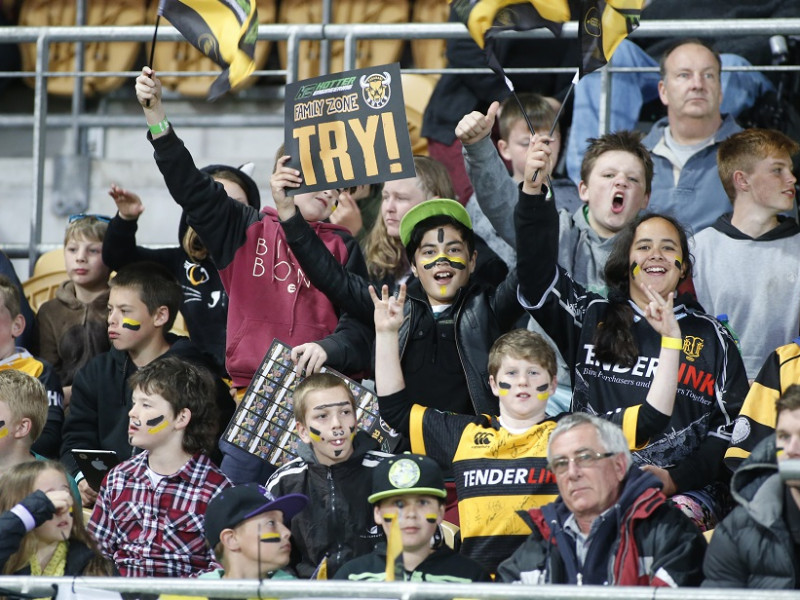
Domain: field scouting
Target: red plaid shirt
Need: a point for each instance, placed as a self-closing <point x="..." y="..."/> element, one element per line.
<point x="156" y="532"/>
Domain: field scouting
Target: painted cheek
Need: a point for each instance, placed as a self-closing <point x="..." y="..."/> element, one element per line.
<point x="504" y="388"/>
<point x="543" y="393"/>
<point x="431" y="517"/>
<point x="131" y="324"/>
<point x="3" y="430"/>
<point x="157" y="424"/>
<point x="635" y="269"/>
<point x="352" y="433"/>
<point x="270" y="537"/>
<point x="314" y="434"/>
<point x="678" y="263"/>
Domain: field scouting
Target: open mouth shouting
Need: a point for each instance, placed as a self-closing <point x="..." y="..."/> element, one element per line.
<point x="618" y="203"/>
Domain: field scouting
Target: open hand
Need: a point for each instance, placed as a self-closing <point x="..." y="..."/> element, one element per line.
<point x="388" y="309"/>
<point x="308" y="358"/>
<point x="348" y="214"/>
<point x="129" y="205"/>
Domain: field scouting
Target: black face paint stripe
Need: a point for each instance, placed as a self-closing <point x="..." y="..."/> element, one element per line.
<point x="678" y="264"/>
<point x="324" y="406"/>
<point x="440" y="259"/>
<point x="504" y="385"/>
<point x="543" y="387"/>
<point x="440" y="235"/>
<point x="154" y="421"/>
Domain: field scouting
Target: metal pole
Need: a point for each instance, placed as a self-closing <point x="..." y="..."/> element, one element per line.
<point x="39" y="132"/>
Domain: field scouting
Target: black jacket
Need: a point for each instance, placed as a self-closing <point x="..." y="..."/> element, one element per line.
<point x="753" y="547"/>
<point x="338" y="521"/>
<point x="101" y="399"/>
<point x="482" y="313"/>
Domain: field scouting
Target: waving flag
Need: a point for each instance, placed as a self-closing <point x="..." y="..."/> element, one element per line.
<point x="223" y="30"/>
<point x="603" y="24"/>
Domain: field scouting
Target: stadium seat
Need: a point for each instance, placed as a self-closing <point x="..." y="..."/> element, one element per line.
<point x="41" y="288"/>
<point x="183" y="57"/>
<point x="368" y="52"/>
<point x="417" y="90"/>
<point x="98" y="56"/>
<point x="429" y="54"/>
<point x="451" y="533"/>
<point x="51" y="261"/>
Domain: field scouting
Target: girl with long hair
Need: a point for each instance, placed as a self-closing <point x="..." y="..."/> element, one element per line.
<point x="612" y="351"/>
<point x="41" y="525"/>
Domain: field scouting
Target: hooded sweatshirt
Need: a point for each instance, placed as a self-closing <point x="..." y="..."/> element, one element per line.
<point x="269" y="295"/>
<point x="101" y="400"/>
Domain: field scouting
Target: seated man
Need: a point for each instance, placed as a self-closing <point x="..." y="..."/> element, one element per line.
<point x="610" y="525"/>
<point x="756" y="545"/>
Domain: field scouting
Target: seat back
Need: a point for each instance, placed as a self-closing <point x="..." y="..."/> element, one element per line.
<point x="50" y="262"/>
<point x="98" y="56"/>
<point x="41" y="288"/>
<point x="417" y="90"/>
<point x="429" y="54"/>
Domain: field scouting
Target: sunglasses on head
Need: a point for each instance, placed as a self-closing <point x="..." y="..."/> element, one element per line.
<point x="78" y="217"/>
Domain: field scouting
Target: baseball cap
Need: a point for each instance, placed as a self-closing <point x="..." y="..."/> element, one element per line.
<point x="236" y="504"/>
<point x="432" y="208"/>
<point x="407" y="474"/>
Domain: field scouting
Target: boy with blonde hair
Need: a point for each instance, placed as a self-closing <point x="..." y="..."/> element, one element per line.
<point x="12" y="323"/>
<point x="23" y="413"/>
<point x="149" y="514"/>
<point x="72" y="326"/>
<point x="334" y="466"/>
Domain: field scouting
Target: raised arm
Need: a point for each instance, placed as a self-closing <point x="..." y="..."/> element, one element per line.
<point x="119" y="243"/>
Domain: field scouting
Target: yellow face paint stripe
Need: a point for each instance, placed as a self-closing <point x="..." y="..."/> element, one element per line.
<point x="270" y="537"/>
<point x="131" y="324"/>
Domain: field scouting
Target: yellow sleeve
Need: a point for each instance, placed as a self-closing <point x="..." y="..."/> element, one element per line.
<point x="415" y="431"/>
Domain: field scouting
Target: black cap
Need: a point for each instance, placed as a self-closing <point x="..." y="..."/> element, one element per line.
<point x="236" y="504"/>
<point x="407" y="474"/>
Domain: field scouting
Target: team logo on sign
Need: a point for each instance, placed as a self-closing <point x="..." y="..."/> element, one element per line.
<point x="375" y="89"/>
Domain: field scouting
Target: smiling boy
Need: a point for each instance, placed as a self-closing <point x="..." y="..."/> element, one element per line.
<point x="149" y="514"/>
<point x="408" y="494"/>
<point x="333" y="468"/>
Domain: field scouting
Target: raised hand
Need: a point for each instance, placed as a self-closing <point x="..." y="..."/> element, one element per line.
<point x="475" y="126"/>
<point x="659" y="313"/>
<point x="129" y="205"/>
<point x="539" y="158"/>
<point x="347" y="214"/>
<point x="148" y="89"/>
<point x="284" y="177"/>
<point x="308" y="358"/>
<point x="388" y="309"/>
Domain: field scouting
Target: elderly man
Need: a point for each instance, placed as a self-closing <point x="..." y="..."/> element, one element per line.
<point x="610" y="525"/>
<point x="756" y="546"/>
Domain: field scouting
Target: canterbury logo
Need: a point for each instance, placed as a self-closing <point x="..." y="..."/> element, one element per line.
<point x="484" y="438"/>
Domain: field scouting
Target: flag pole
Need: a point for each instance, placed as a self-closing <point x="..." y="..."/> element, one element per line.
<point x="153" y="51"/>
<point x="560" y="110"/>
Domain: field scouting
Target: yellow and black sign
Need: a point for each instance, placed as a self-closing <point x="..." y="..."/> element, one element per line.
<point x="348" y="129"/>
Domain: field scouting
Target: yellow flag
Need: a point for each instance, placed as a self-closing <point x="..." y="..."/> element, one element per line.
<point x="394" y="545"/>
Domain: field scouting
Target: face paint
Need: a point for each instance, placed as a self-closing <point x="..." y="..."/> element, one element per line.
<point x="270" y="537"/>
<point x="324" y="406"/>
<point x="3" y="430"/>
<point x="678" y="263"/>
<point x="388" y="517"/>
<point x="635" y="269"/>
<point x="440" y="235"/>
<point x="543" y="393"/>
<point x="431" y="517"/>
<point x="157" y="424"/>
<point x="454" y="261"/>
<point x="504" y="387"/>
<point x="442" y="290"/>
<point x="352" y="433"/>
<point x="314" y="434"/>
<point x="131" y="324"/>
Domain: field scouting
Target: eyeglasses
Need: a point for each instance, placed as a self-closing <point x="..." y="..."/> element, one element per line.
<point x="78" y="217"/>
<point x="582" y="460"/>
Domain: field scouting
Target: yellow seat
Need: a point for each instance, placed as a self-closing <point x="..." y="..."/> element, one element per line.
<point x="185" y="58"/>
<point x="41" y="288"/>
<point x="368" y="52"/>
<point x="98" y="56"/>
<point x="429" y="54"/>
<point x="49" y="262"/>
<point x="417" y="90"/>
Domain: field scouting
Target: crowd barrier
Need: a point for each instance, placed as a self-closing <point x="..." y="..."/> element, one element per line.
<point x="79" y="119"/>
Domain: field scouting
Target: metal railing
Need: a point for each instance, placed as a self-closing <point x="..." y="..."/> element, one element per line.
<point x="231" y="588"/>
<point x="350" y="34"/>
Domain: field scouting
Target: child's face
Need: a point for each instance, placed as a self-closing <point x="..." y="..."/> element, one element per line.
<point x="316" y="206"/>
<point x="233" y="189"/>
<point x="419" y="517"/>
<point x="8" y="426"/>
<point x="399" y="196"/>
<point x="771" y="183"/>
<point x="59" y="527"/>
<point x="130" y="325"/>
<point x="264" y="541"/>
<point x="84" y="262"/>
<point x="443" y="264"/>
<point x="522" y="387"/>
<point x="615" y="191"/>
<point x="152" y="421"/>
<point x="10" y="328"/>
<point x="330" y="425"/>
<point x="515" y="148"/>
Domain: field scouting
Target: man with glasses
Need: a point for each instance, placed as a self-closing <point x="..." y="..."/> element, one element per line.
<point x="610" y="525"/>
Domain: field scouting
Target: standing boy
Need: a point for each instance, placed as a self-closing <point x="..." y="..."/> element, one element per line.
<point x="748" y="262"/>
<point x="72" y="326"/>
<point x="408" y="494"/>
<point x="500" y="463"/>
<point x="142" y="305"/>
<point x="333" y="468"/>
<point x="149" y="514"/>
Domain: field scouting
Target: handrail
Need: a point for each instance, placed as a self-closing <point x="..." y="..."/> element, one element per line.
<point x="293" y="34"/>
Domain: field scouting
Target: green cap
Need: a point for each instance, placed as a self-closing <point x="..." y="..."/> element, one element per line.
<point x="432" y="208"/>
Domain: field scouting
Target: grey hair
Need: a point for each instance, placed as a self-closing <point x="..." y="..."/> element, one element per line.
<point x="611" y="436"/>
